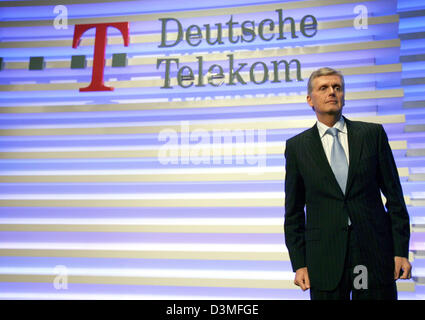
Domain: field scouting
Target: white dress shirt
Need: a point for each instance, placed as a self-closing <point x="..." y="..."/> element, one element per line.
<point x="327" y="139"/>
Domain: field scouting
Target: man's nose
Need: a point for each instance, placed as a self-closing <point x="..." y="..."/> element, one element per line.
<point x="332" y="91"/>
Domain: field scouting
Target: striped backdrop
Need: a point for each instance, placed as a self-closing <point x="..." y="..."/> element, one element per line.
<point x="152" y="193"/>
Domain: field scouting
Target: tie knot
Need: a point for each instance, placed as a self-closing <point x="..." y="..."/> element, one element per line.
<point x="332" y="131"/>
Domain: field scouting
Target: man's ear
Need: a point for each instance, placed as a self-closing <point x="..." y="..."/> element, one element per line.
<point x="310" y="102"/>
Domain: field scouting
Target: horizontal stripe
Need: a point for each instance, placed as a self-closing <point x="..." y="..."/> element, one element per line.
<point x="9" y="292"/>
<point x="305" y="73"/>
<point x="196" y="282"/>
<point x="163" y="228"/>
<point x="237" y="202"/>
<point x="157" y="220"/>
<point x="417" y="177"/>
<point x="198" y="104"/>
<point x="168" y="272"/>
<point x="158" y="171"/>
<point x="143" y="242"/>
<point x="143" y="178"/>
<point x="147" y="196"/>
<point x="150" y="222"/>
<point x="406" y="104"/>
<point x="187" y="14"/>
<point x="412" y="13"/>
<point x="182" y="177"/>
<point x="46" y="265"/>
<point x="418" y="228"/>
<point x="412" y="36"/>
<point x="412" y="81"/>
<point x="237" y="55"/>
<point x="208" y="126"/>
<point x="415" y="128"/>
<point x="156" y="37"/>
<point x="419" y="152"/>
<point x="403" y="172"/>
<point x="159" y="213"/>
<point x="254" y="169"/>
<point x="32" y="3"/>
<point x="140" y="254"/>
<point x="418" y="202"/>
<point x="166" y="154"/>
<point x="146" y="203"/>
<point x="206" y="177"/>
<point x="142" y="228"/>
<point x="412" y="58"/>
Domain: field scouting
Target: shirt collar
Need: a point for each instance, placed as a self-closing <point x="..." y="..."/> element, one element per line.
<point x="340" y="125"/>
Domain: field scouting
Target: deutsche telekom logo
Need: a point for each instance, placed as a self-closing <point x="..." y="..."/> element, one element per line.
<point x="97" y="83"/>
<point x="202" y="74"/>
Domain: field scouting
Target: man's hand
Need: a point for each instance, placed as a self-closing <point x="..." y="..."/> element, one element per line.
<point x="301" y="278"/>
<point x="401" y="263"/>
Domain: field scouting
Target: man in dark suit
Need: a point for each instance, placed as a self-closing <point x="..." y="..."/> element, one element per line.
<point x="346" y="242"/>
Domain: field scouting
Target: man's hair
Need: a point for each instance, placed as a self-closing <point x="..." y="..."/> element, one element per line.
<point x="324" y="72"/>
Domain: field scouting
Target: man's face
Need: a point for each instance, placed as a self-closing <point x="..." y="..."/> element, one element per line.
<point x="327" y="95"/>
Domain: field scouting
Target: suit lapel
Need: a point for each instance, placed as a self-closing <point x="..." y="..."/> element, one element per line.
<point x="319" y="157"/>
<point x="355" y="147"/>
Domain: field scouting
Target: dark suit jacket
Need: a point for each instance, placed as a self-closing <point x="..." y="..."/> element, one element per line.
<point x="317" y="238"/>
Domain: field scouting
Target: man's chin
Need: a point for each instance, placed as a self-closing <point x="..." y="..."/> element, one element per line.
<point x="334" y="112"/>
